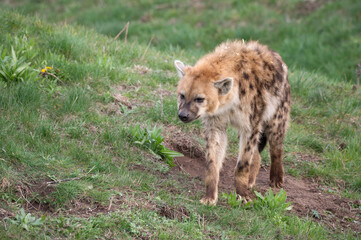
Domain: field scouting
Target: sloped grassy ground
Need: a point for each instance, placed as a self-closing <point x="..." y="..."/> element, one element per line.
<point x="72" y="132"/>
<point x="312" y="35"/>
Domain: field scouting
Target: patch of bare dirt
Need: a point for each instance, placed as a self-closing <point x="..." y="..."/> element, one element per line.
<point x="85" y="207"/>
<point x="171" y="212"/>
<point x="32" y="192"/>
<point x="306" y="195"/>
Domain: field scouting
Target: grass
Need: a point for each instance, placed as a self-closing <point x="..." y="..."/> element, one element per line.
<point x="62" y="143"/>
<point x="302" y="32"/>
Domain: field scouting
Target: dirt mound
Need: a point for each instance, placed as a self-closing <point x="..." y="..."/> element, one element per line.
<point x="306" y="196"/>
<point x="170" y="212"/>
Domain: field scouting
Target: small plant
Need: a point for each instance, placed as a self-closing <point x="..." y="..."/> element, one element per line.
<point x="12" y="68"/>
<point x="232" y="199"/>
<point x="27" y="220"/>
<point x="273" y="202"/>
<point x="270" y="201"/>
<point x="152" y="140"/>
<point x="315" y="214"/>
<point x="50" y="73"/>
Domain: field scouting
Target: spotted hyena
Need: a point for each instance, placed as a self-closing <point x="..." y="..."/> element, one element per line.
<point x="244" y="85"/>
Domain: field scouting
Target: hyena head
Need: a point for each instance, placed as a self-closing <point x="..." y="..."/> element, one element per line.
<point x="199" y="94"/>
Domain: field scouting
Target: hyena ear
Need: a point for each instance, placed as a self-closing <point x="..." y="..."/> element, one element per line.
<point x="180" y="68"/>
<point x="224" y="86"/>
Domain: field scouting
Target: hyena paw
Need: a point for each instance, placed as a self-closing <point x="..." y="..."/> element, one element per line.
<point x="276" y="182"/>
<point x="243" y="194"/>
<point x="251" y="185"/>
<point x="209" y="201"/>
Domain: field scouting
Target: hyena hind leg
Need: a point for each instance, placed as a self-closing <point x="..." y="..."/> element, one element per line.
<point x="276" y="152"/>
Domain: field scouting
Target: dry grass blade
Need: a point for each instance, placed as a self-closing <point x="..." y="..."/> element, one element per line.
<point x="146" y="50"/>
<point x="121" y="31"/>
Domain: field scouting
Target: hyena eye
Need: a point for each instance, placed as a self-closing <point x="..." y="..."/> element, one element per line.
<point x="199" y="100"/>
<point x="181" y="96"/>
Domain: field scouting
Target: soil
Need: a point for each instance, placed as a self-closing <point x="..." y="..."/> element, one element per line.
<point x="307" y="196"/>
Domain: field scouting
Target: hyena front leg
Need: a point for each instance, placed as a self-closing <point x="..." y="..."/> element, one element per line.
<point x="254" y="169"/>
<point x="216" y="150"/>
<point x="246" y="170"/>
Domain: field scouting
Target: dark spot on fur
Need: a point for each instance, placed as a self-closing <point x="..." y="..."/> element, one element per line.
<point x="279" y="76"/>
<point x="197" y="76"/>
<point x="238" y="67"/>
<point x="245" y="75"/>
<point x="276" y="91"/>
<point x="251" y="116"/>
<point x="243" y="92"/>
<point x="240" y="168"/>
<point x="209" y="163"/>
<point x="273" y="81"/>
<point x="271" y="67"/>
<point x="267" y="85"/>
<point x="265" y="65"/>
<point x="252" y="136"/>
<point x="251" y="86"/>
<point x="243" y="165"/>
<point x="279" y="64"/>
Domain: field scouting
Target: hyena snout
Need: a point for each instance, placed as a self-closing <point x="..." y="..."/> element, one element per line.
<point x="183" y="116"/>
<point x="186" y="116"/>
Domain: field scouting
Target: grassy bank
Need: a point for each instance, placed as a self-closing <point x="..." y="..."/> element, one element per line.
<point x="313" y="36"/>
<point x="65" y="150"/>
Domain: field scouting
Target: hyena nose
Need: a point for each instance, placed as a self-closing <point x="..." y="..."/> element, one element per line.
<point x="183" y="116"/>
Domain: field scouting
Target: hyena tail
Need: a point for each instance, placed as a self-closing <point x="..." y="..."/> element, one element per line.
<point x="262" y="142"/>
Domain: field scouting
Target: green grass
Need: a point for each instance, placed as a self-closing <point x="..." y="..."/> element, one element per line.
<point x="62" y="141"/>
<point x="306" y="39"/>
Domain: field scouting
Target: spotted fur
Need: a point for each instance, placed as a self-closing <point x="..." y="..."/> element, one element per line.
<point x="244" y="85"/>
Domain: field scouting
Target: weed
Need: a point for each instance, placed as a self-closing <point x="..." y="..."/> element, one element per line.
<point x="272" y="202"/>
<point x="26" y="221"/>
<point x="152" y="140"/>
<point x="315" y="214"/>
<point x="232" y="199"/>
<point x="14" y="69"/>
